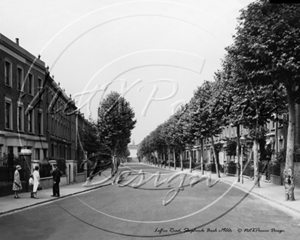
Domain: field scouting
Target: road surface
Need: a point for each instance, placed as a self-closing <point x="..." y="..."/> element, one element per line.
<point x="151" y="205"/>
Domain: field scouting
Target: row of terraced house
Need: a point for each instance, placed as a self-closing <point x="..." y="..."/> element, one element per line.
<point x="39" y="122"/>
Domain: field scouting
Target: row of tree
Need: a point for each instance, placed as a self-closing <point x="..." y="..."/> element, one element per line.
<point x="258" y="80"/>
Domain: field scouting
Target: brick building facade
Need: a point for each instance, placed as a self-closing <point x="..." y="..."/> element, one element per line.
<point x="35" y="112"/>
<point x="21" y="76"/>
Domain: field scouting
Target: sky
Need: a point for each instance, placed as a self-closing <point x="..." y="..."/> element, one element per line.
<point x="155" y="53"/>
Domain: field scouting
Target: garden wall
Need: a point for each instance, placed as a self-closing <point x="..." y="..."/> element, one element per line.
<point x="81" y="177"/>
<point x="47" y="182"/>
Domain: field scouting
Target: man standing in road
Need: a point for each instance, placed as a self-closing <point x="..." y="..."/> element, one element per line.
<point x="56" y="180"/>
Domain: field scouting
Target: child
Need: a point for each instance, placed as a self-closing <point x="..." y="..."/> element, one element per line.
<point x="31" y="185"/>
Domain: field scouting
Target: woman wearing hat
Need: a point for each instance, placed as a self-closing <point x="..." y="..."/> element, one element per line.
<point x="17" y="185"/>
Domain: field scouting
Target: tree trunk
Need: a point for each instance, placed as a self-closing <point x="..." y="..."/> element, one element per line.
<point x="202" y="156"/>
<point x="242" y="165"/>
<point x="174" y="157"/>
<point x="215" y="155"/>
<point x="255" y="159"/>
<point x="190" y="153"/>
<point x="181" y="161"/>
<point x="238" y="166"/>
<point x="289" y="184"/>
<point x="249" y="157"/>
<point x="169" y="157"/>
<point x="276" y="135"/>
<point x="164" y="159"/>
<point x="114" y="164"/>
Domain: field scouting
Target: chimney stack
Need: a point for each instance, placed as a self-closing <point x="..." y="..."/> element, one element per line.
<point x="17" y="41"/>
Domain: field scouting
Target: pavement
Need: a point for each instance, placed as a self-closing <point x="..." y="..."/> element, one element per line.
<point x="273" y="194"/>
<point x="8" y="204"/>
<point x="270" y="192"/>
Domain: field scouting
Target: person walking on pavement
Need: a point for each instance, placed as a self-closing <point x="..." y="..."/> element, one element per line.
<point x="56" y="180"/>
<point x="36" y="181"/>
<point x="17" y="185"/>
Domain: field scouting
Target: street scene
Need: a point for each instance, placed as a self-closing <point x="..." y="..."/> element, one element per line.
<point x="149" y="119"/>
<point x="126" y="211"/>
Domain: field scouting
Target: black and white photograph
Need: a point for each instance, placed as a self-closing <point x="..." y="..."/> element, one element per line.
<point x="149" y="119"/>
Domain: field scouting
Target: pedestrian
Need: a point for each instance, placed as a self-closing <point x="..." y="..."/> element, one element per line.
<point x="36" y="181"/>
<point x="17" y="185"/>
<point x="56" y="180"/>
<point x="31" y="182"/>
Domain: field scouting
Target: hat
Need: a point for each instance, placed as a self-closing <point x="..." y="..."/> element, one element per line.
<point x="18" y="167"/>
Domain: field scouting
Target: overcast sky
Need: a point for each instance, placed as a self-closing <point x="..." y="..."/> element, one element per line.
<point x="156" y="53"/>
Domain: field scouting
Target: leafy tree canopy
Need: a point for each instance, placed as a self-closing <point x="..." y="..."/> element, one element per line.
<point x="115" y="122"/>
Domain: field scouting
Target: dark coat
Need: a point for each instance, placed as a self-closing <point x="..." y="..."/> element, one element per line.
<point x="56" y="175"/>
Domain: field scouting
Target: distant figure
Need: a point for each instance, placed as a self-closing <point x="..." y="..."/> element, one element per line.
<point x="17" y="185"/>
<point x="31" y="182"/>
<point x="36" y="181"/>
<point x="56" y="180"/>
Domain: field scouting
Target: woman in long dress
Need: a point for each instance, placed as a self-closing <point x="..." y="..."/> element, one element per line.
<point x="17" y="185"/>
<point x="36" y="180"/>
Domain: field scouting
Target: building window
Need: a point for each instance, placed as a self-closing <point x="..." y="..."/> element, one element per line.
<point x="20" y="117"/>
<point x="37" y="154"/>
<point x="40" y="86"/>
<point x="45" y="153"/>
<point x="52" y="150"/>
<point x="40" y="122"/>
<point x="10" y="150"/>
<point x="19" y="149"/>
<point x="30" y="84"/>
<point x="8" y="73"/>
<point x="8" y="113"/>
<point x="47" y="93"/>
<point x="30" y="121"/>
<point x="20" y="77"/>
